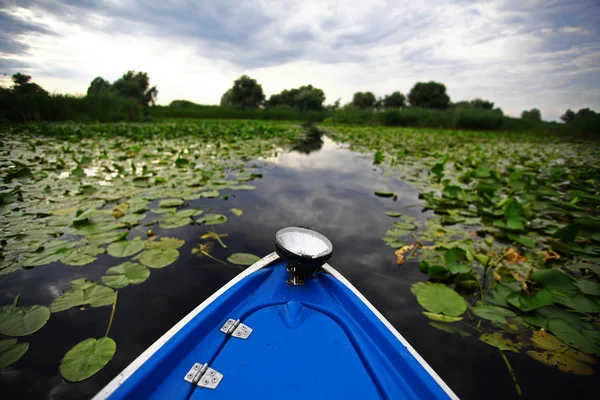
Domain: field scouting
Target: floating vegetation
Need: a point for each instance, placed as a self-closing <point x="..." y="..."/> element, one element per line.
<point x="514" y="236"/>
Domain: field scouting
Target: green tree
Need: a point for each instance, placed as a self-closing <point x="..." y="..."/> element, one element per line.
<point x="585" y="113"/>
<point x="532" y="115"/>
<point x="99" y="86"/>
<point x="303" y="98"/>
<point x="245" y="93"/>
<point x="429" y="95"/>
<point x="363" y="100"/>
<point x="22" y="84"/>
<point x="394" y="100"/>
<point x="136" y="86"/>
<point x="568" y="116"/>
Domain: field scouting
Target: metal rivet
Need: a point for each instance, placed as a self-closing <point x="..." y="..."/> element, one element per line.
<point x="196" y="366"/>
<point x="238" y="333"/>
<point x="214" y="380"/>
<point x="206" y="382"/>
<point x="211" y="373"/>
<point x="190" y="375"/>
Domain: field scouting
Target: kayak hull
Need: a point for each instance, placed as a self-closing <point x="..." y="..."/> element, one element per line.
<point x="321" y="340"/>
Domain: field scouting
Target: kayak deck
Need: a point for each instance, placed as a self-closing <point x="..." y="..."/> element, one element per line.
<point x="318" y="340"/>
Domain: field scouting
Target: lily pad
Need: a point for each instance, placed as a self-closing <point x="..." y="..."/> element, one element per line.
<point x="124" y="274"/>
<point x="383" y="193"/>
<point x="87" y="358"/>
<point x="22" y="321"/>
<point x="525" y="302"/>
<point x="83" y="293"/>
<point x="158" y="258"/>
<point x="496" y="339"/>
<point x="165" y="243"/>
<point x="572" y="336"/>
<point x="212" y="219"/>
<point x="237" y="211"/>
<point x="441" y="317"/>
<point x="440" y="299"/>
<point x="126" y="248"/>
<point x="243" y="258"/>
<point x="493" y="313"/>
<point x="170" y="203"/>
<point x="11" y="352"/>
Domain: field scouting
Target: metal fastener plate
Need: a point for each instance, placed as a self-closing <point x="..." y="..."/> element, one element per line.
<point x="242" y="331"/>
<point x="210" y="379"/>
<point x="194" y="373"/>
<point x="227" y="326"/>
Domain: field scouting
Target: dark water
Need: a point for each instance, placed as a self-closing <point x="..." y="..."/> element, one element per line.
<point x="320" y="185"/>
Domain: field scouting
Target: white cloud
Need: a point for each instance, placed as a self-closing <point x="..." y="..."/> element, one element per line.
<point x="519" y="56"/>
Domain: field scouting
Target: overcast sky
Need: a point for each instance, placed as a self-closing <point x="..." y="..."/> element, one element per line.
<point x="519" y="54"/>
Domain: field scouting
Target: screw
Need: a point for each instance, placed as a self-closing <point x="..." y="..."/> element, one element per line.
<point x="196" y="367"/>
<point x="190" y="376"/>
<point x="206" y="382"/>
<point x="214" y="380"/>
<point x="211" y="373"/>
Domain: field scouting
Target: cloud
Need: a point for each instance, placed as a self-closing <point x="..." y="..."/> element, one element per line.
<point x="519" y="54"/>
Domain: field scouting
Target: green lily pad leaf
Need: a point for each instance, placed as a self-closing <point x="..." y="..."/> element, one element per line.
<point x="126" y="248"/>
<point x="157" y="258"/>
<point x="188" y="213"/>
<point x="210" y="194"/>
<point x="525" y="302"/>
<point x="107" y="237"/>
<point x="409" y="226"/>
<point x="571" y="335"/>
<point x="393" y="214"/>
<point x="568" y="233"/>
<point x="493" y="313"/>
<point x="83" y="215"/>
<point x="578" y="302"/>
<point x="438" y="169"/>
<point x="212" y="219"/>
<point x="242" y="187"/>
<point x="554" y="279"/>
<point x="165" y="243"/>
<point x="440" y="299"/>
<point x="11" y="352"/>
<point x="83" y="293"/>
<point x="132" y="219"/>
<point x="22" y="321"/>
<point x="77" y="259"/>
<point x="498" y="294"/>
<point x="415" y="288"/>
<point x="441" y="317"/>
<point x="174" y="221"/>
<point x="124" y="274"/>
<point x="243" y="258"/>
<point x="498" y="341"/>
<point x="237" y="211"/>
<point x="170" y="203"/>
<point x="524" y="240"/>
<point x="95" y="228"/>
<point x="78" y="172"/>
<point x="87" y="358"/>
<point x="588" y="287"/>
<point x="383" y="193"/>
<point x="449" y="328"/>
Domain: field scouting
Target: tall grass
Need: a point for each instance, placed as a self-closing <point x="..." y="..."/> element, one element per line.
<point x="36" y="107"/>
<point x="218" y="112"/>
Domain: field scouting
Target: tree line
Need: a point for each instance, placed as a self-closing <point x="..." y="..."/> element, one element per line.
<point x="131" y="96"/>
<point x="246" y="93"/>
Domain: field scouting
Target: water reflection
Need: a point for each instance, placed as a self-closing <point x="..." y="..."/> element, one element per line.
<point x="313" y="142"/>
